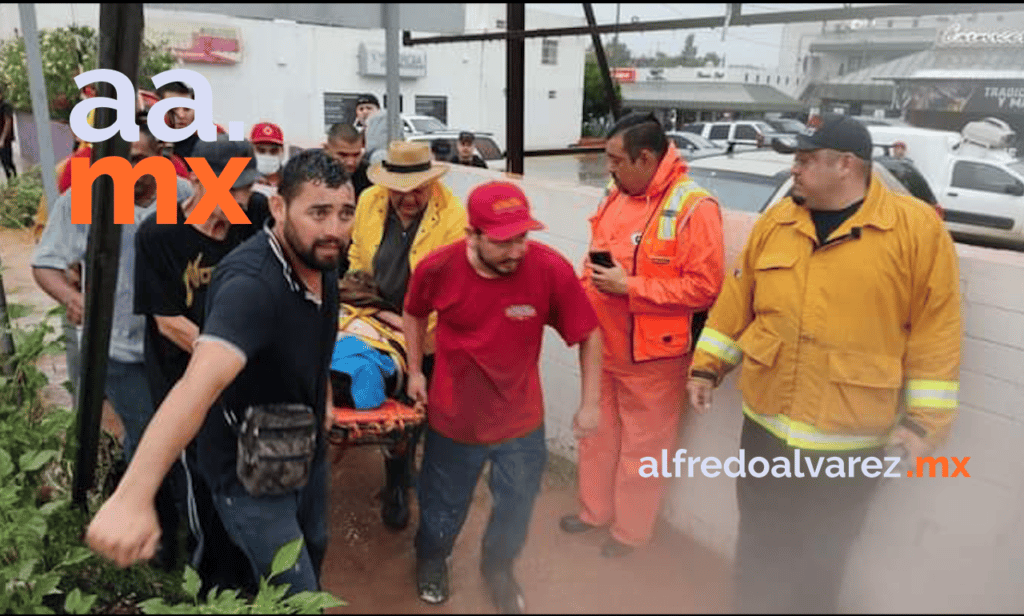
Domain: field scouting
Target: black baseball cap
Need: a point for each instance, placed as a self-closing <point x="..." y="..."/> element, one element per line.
<point x="367" y="99"/>
<point x="465" y="136"/>
<point x="218" y="153"/>
<point x="836" y="132"/>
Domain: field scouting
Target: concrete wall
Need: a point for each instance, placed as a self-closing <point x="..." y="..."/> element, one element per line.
<point x="285" y="68"/>
<point x="931" y="545"/>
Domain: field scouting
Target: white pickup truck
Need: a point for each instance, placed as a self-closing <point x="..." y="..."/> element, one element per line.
<point x="977" y="178"/>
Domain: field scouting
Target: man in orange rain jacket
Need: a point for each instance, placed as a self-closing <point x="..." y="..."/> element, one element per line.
<point x="664" y="234"/>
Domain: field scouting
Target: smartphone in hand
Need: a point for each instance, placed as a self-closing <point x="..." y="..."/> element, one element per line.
<point x="602" y="258"/>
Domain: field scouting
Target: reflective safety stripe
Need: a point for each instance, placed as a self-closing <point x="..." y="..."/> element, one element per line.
<point x="805" y="436"/>
<point x="670" y="212"/>
<point x="932" y="394"/>
<point x="720" y="345"/>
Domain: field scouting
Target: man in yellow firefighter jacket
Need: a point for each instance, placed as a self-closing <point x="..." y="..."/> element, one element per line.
<point x="845" y="297"/>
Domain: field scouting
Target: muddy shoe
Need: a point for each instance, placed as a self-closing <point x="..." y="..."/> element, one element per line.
<point x="432" y="580"/>
<point x="505" y="591"/>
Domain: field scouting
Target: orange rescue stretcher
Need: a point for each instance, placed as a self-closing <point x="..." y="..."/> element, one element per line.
<point x="393" y="424"/>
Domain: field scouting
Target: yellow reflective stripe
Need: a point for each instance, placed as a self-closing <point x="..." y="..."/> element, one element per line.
<point x="720" y="345"/>
<point x="805" y="436"/>
<point x="670" y="213"/>
<point x="932" y="394"/>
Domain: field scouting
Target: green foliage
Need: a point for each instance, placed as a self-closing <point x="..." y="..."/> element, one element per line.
<point x="66" y="52"/>
<point x="19" y="199"/>
<point x="269" y="600"/>
<point x="596" y="109"/>
<point x="44" y="567"/>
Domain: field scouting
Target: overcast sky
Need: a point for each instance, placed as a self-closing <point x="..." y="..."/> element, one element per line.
<point x="756" y="45"/>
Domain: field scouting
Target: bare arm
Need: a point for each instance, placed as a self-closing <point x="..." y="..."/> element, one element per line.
<point x="125" y="529"/>
<point x="8" y="128"/>
<point x="415" y="330"/>
<point x="589" y="414"/>
<point x="56" y="284"/>
<point x="179" y="330"/>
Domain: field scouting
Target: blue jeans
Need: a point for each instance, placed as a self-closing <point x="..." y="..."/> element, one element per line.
<point x="445" y="490"/>
<point x="261" y="525"/>
<point x="128" y="390"/>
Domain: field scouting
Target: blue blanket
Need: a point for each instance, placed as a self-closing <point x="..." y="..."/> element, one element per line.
<point x="366" y="366"/>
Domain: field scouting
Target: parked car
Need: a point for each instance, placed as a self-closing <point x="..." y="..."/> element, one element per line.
<point x="750" y="133"/>
<point x="979" y="179"/>
<point x="443" y="144"/>
<point x="422" y="124"/>
<point x="786" y="126"/>
<point x="874" y="121"/>
<point x="752" y="181"/>
<point x="692" y="145"/>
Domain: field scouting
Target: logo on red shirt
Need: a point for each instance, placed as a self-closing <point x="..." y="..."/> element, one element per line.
<point x="520" y="312"/>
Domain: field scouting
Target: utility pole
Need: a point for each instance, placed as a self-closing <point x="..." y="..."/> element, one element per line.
<point x="615" y="38"/>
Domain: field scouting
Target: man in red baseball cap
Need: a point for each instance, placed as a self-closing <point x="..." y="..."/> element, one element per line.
<point x="268" y="142"/>
<point x="494" y="292"/>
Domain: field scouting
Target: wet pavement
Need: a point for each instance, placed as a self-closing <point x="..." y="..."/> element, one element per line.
<point x="372" y="568"/>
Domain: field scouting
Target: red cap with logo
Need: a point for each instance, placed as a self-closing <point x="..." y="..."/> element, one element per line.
<point x="265" y="132"/>
<point x="501" y="211"/>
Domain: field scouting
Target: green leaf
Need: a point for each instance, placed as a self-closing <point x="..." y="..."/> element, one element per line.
<point x="156" y="605"/>
<point x="35" y="460"/>
<point x="26" y="569"/>
<point x="308" y="602"/>
<point x="191" y="583"/>
<point x="76" y="556"/>
<point x="286" y="557"/>
<point x="6" y="464"/>
<point x="17" y="311"/>
<point x="46" y="585"/>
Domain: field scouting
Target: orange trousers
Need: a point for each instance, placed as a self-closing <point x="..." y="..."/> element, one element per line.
<point x="640" y="412"/>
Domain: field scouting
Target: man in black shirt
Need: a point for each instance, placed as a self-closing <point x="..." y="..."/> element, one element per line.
<point x="465" y="151"/>
<point x="271" y="323"/>
<point x="6" y="135"/>
<point x="173" y="268"/>
<point x="348" y="146"/>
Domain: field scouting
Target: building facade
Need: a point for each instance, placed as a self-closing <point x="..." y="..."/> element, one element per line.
<point x="305" y="77"/>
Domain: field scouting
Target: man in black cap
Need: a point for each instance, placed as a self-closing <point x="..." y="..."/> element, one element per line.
<point x="173" y="268"/>
<point x="845" y="297"/>
<point x="465" y="152"/>
<point x="366" y="106"/>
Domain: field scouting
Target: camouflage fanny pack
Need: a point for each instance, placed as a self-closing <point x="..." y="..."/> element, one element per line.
<point x="276" y="446"/>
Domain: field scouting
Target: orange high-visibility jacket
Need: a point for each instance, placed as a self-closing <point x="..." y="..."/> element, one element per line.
<point x="829" y="336"/>
<point x="678" y="263"/>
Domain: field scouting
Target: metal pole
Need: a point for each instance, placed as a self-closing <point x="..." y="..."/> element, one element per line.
<point x="602" y="63"/>
<point x="120" y="43"/>
<point x="615" y="40"/>
<point x="392" y="40"/>
<point x="515" y="88"/>
<point x="40" y="106"/>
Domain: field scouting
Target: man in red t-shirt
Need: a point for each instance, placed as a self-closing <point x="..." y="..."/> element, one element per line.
<point x="493" y="292"/>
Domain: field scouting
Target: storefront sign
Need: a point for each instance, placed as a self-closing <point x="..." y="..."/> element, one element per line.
<point x="373" y="62"/>
<point x="624" y="75"/>
<point x="955" y="35"/>
<point x="959" y="96"/>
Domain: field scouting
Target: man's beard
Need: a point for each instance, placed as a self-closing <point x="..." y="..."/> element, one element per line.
<point x="492" y="267"/>
<point x="308" y="257"/>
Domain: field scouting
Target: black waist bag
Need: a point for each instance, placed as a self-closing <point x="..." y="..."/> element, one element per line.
<point x="276" y="446"/>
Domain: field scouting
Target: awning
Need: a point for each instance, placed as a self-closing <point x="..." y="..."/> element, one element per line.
<point x="704" y="95"/>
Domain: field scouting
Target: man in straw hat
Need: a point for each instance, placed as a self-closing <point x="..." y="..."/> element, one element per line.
<point x="406" y="215"/>
<point x="499" y="291"/>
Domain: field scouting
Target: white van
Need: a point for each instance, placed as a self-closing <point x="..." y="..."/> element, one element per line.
<point x="978" y="180"/>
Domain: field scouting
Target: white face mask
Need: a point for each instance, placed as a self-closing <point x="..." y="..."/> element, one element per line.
<point x="267" y="164"/>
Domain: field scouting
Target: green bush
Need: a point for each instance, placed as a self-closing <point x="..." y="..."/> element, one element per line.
<point x="19" y="199"/>
<point x="44" y="567"/>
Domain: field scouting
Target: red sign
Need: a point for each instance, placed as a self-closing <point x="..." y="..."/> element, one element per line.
<point x="627" y="75"/>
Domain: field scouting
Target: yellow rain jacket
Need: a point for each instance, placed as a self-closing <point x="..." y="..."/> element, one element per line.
<point x="830" y="336"/>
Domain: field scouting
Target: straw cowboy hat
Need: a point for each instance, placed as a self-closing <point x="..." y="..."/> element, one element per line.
<point x="406" y="166"/>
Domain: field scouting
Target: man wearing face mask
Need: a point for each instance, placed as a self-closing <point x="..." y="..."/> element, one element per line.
<point x="405" y="216"/>
<point x="268" y="142"/>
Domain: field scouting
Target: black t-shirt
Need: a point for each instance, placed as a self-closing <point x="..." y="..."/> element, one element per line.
<point x="391" y="269"/>
<point x="258" y="212"/>
<point x="257" y="306"/>
<point x="475" y="162"/>
<point x="6" y="115"/>
<point x="173" y="268"/>
<point x="827" y="222"/>
<point x="359" y="179"/>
